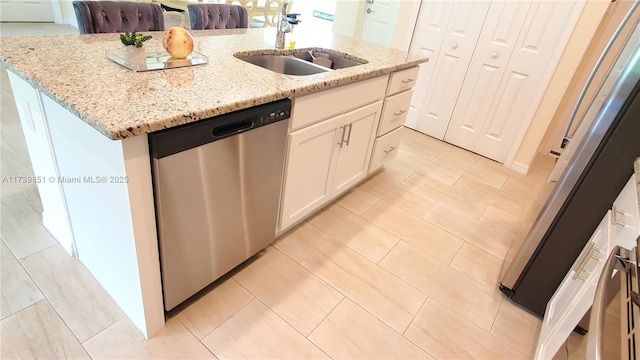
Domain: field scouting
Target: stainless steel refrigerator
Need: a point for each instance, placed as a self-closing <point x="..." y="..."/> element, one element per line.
<point x="594" y="167"/>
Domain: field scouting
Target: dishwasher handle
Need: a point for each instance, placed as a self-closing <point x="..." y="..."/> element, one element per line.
<point x="222" y="131"/>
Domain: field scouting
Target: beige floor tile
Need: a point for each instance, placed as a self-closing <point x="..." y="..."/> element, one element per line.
<point x="504" y="219"/>
<point x="467" y="297"/>
<point x="386" y="187"/>
<point x="75" y="294"/>
<point x="467" y="166"/>
<point x="385" y="296"/>
<point x="291" y="291"/>
<point x="13" y="172"/>
<point x="427" y="237"/>
<point x="301" y="242"/>
<point x="355" y="232"/>
<point x="21" y="219"/>
<point x="472" y="203"/>
<point x="212" y="309"/>
<point x="357" y="200"/>
<point x="486" y="236"/>
<point x="478" y="264"/>
<point x="446" y="335"/>
<point x="123" y="340"/>
<point x="37" y="332"/>
<point x="17" y="288"/>
<point x="507" y="198"/>
<point x="517" y="327"/>
<point x="256" y="332"/>
<point x="412" y="141"/>
<point x="396" y="171"/>
<point x="13" y="138"/>
<point x="417" y="162"/>
<point x="350" y="332"/>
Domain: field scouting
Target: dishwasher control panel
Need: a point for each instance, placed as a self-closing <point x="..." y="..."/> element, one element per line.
<point x="276" y="115"/>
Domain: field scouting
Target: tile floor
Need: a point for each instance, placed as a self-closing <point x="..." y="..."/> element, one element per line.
<point x="405" y="265"/>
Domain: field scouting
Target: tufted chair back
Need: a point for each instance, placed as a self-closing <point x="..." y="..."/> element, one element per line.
<point x="117" y="16"/>
<point x="217" y="16"/>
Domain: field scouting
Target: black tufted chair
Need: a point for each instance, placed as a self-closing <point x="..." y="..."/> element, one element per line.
<point x="217" y="16"/>
<point x="117" y="16"/>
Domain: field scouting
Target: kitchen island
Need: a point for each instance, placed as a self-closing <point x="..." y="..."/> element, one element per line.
<point x="86" y="119"/>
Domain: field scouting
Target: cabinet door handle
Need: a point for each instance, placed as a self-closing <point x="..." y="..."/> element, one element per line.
<point x="343" y="127"/>
<point x="390" y="149"/>
<point x="349" y="135"/>
<point x="614" y="219"/>
<point x="583" y="262"/>
<point x="398" y="113"/>
<point x="408" y="81"/>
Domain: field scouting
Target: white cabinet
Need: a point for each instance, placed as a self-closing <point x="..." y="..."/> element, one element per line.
<point x="325" y="159"/>
<point x="394" y="113"/>
<point x="45" y="167"/>
<point x="574" y="296"/>
<point x="491" y="67"/>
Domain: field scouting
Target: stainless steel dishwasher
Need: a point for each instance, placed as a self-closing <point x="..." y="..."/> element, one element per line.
<point x="217" y="186"/>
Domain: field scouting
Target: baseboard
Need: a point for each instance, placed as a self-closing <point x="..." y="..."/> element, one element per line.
<point x="519" y="167"/>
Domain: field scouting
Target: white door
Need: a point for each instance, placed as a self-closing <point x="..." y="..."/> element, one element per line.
<point x="427" y="39"/>
<point x="450" y="67"/>
<point x="380" y="21"/>
<point x="355" y="151"/>
<point x="492" y="53"/>
<point x="309" y="170"/>
<point x="26" y="11"/>
<point x="513" y="104"/>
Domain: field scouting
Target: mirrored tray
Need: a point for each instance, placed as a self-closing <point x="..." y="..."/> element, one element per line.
<point x="157" y="60"/>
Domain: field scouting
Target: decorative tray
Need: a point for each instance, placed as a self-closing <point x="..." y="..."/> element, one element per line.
<point x="157" y="60"/>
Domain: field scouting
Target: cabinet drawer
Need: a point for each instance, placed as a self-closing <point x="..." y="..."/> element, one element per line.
<point x="402" y="80"/>
<point x="624" y="216"/>
<point x="312" y="108"/>
<point x="385" y="149"/>
<point x="394" y="112"/>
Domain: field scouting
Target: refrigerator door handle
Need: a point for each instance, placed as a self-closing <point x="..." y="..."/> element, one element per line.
<point x="615" y="218"/>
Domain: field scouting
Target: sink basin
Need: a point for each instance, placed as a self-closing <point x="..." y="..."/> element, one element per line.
<point x="284" y="64"/>
<point x="337" y="61"/>
<point x="300" y="62"/>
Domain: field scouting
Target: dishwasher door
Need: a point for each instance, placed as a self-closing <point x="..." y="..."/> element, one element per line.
<point x="216" y="205"/>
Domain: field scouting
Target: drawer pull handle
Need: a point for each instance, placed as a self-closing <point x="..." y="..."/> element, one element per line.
<point x="390" y="149"/>
<point x="343" y="127"/>
<point x="617" y="220"/>
<point x="579" y="268"/>
<point x="398" y="113"/>
<point x="349" y="134"/>
<point x="408" y="81"/>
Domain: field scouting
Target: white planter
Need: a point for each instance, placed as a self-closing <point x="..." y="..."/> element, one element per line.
<point x="134" y="55"/>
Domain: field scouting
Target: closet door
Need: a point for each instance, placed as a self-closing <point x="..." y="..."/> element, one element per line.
<point x="488" y="65"/>
<point x="518" y="94"/>
<point x="459" y="41"/>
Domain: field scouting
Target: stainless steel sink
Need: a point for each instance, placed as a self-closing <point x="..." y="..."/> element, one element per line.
<point x="284" y="64"/>
<point x="337" y="61"/>
<point x="300" y="62"/>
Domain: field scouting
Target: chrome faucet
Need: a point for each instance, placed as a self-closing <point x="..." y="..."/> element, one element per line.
<point x="283" y="27"/>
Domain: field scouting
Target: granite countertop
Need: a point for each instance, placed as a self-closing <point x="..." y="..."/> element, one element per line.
<point x="120" y="103"/>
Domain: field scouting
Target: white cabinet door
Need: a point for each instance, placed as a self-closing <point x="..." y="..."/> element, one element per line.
<point x="310" y="167"/>
<point x="495" y="46"/>
<point x="523" y="81"/>
<point x="624" y="216"/>
<point x="458" y="44"/>
<point x="354" y="153"/>
<point x="575" y="294"/>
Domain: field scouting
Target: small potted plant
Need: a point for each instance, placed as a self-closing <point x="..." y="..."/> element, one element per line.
<point x="132" y="46"/>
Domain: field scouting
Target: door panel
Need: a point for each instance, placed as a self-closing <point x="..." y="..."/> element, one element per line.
<point x="427" y="40"/>
<point x="451" y="66"/>
<point x="538" y="41"/>
<point x="495" y="46"/>
<point x="380" y="21"/>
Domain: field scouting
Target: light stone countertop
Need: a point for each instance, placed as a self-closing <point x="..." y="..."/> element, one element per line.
<point x="120" y="103"/>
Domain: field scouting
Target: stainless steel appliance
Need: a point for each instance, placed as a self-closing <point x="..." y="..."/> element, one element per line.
<point x="615" y="315"/>
<point x="597" y="163"/>
<point x="217" y="186"/>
